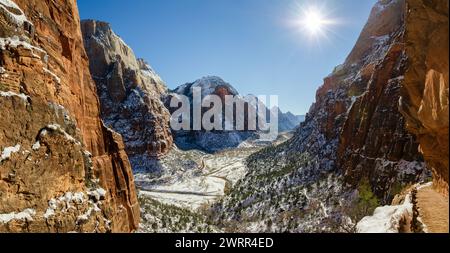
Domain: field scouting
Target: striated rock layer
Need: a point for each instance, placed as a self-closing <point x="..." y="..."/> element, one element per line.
<point x="130" y="93"/>
<point x="425" y="93"/>
<point x="61" y="169"/>
<point x="358" y="106"/>
<point x="373" y="140"/>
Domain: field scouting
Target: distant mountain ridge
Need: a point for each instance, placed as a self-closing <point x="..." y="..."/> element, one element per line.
<point x="217" y="140"/>
<point x="288" y="121"/>
<point x="210" y="141"/>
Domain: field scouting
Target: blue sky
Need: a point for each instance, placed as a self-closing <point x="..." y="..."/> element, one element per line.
<point x="252" y="44"/>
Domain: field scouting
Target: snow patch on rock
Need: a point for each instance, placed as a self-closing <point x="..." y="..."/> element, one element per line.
<point x="53" y="75"/>
<point x="381" y="6"/>
<point x="387" y="219"/>
<point x="8" y="151"/>
<point x="25" y="215"/>
<point x="22" y="96"/>
<point x="58" y="128"/>
<point x="97" y="194"/>
<point x="36" y="146"/>
<point x="15" y="42"/>
<point x="17" y="17"/>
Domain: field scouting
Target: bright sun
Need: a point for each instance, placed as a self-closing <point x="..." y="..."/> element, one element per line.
<point x="313" y="21"/>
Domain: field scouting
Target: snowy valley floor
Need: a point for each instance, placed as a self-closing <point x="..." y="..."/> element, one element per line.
<point x="214" y="175"/>
<point x="191" y="182"/>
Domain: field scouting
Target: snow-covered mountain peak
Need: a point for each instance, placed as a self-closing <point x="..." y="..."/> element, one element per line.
<point x="208" y="84"/>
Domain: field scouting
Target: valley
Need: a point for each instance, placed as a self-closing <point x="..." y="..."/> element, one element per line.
<point x="87" y="140"/>
<point x="196" y="188"/>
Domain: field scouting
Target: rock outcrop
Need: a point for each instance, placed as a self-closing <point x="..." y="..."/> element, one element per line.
<point x="61" y="169"/>
<point x="373" y="140"/>
<point x="358" y="106"/>
<point x="130" y="93"/>
<point x="424" y="101"/>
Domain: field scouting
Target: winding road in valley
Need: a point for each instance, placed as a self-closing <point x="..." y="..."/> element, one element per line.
<point x="218" y="171"/>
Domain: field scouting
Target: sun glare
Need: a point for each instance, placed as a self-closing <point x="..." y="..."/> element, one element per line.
<point x="314" y="22"/>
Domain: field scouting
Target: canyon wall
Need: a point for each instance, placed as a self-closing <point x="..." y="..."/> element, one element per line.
<point x="130" y="92"/>
<point x="373" y="140"/>
<point x="353" y="144"/>
<point x="360" y="104"/>
<point x="61" y="169"/>
<point x="424" y="101"/>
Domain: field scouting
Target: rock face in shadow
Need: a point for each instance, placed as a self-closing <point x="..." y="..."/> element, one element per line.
<point x="358" y="106"/>
<point x="130" y="93"/>
<point x="373" y="140"/>
<point x="424" y="102"/>
<point x="61" y="169"/>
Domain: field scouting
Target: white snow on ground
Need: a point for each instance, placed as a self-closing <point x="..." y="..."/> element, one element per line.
<point x="187" y="201"/>
<point x="387" y="219"/>
<point x="12" y="94"/>
<point x="227" y="165"/>
<point x="429" y="184"/>
<point x="255" y="227"/>
<point x="149" y="72"/>
<point x="6" y="153"/>
<point x="86" y="216"/>
<point x="202" y="183"/>
<point x="197" y="190"/>
<point x="18" y="19"/>
<point x="27" y="215"/>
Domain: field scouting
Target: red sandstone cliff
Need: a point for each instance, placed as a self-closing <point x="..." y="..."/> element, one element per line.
<point x="424" y="101"/>
<point x="61" y="169"/>
<point x="398" y="100"/>
<point x="358" y="106"/>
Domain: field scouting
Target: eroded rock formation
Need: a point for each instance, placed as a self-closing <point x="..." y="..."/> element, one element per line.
<point x="359" y="105"/>
<point x="61" y="169"/>
<point x="425" y="91"/>
<point x="373" y="141"/>
<point x="130" y="93"/>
